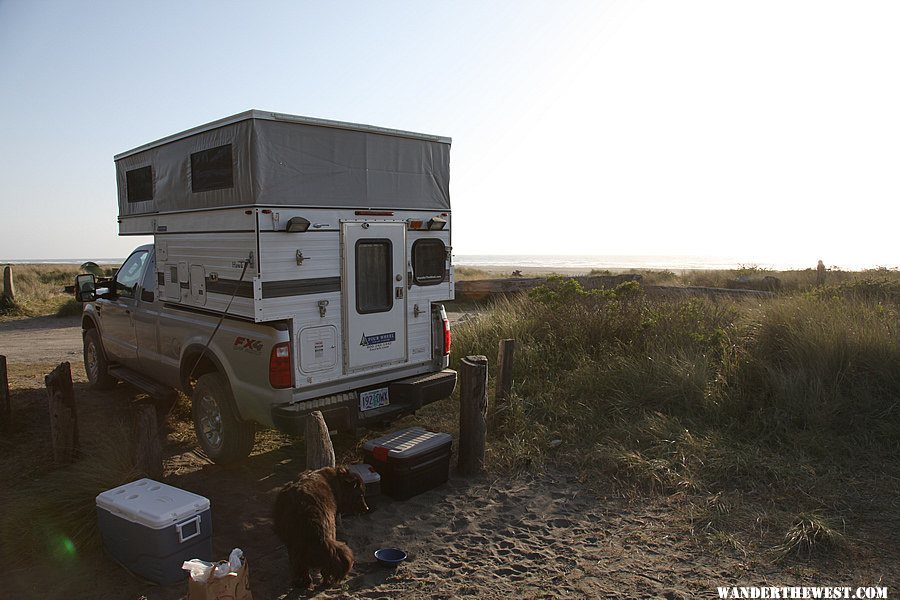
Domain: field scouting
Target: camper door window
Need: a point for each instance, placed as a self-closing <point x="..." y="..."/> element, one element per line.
<point x="130" y="273"/>
<point x="373" y="276"/>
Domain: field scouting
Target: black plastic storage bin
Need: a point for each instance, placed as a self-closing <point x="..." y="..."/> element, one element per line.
<point x="410" y="461"/>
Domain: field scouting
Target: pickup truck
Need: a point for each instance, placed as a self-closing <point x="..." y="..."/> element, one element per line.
<point x="238" y="373"/>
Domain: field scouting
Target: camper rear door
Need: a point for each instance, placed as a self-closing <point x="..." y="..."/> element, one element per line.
<point x="374" y="282"/>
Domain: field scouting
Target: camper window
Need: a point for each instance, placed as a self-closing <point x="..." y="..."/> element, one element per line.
<point x="428" y="257"/>
<point x="212" y="169"/>
<point x="373" y="276"/>
<point x="139" y="184"/>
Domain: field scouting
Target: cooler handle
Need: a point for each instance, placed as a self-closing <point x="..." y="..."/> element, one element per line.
<point x="180" y="527"/>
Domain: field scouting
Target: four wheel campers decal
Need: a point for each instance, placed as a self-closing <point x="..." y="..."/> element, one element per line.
<point x="378" y="342"/>
<point x="247" y="345"/>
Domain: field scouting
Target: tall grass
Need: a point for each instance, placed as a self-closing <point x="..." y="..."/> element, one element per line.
<point x="795" y="398"/>
<point x="39" y="289"/>
<point x="55" y="515"/>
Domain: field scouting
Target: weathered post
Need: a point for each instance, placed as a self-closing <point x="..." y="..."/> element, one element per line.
<point x="147" y="446"/>
<point x="9" y="289"/>
<point x="5" y="409"/>
<point x="319" y="450"/>
<point x="504" y="370"/>
<point x="63" y="417"/>
<point x="473" y="405"/>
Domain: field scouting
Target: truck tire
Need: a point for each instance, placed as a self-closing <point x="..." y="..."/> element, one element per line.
<point x="95" y="363"/>
<point x="224" y="437"/>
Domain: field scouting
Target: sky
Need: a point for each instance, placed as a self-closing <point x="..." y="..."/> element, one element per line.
<point x="764" y="131"/>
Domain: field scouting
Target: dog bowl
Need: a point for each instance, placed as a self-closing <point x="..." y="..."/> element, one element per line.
<point x="390" y="557"/>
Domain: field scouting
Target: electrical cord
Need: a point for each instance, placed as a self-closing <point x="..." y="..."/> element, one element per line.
<point x="222" y="318"/>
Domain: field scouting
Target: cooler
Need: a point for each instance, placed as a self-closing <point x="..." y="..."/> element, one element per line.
<point x="151" y="528"/>
<point x="372" y="480"/>
<point x="410" y="461"/>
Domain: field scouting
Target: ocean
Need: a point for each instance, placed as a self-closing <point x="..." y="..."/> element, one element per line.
<point x="671" y="263"/>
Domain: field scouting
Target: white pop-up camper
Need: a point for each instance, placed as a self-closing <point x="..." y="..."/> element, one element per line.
<point x="338" y="232"/>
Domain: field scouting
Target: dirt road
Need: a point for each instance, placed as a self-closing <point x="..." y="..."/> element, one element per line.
<point x="41" y="340"/>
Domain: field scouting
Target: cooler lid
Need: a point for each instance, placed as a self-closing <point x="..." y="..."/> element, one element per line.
<point x="366" y="472"/>
<point x="408" y="443"/>
<point x="151" y="503"/>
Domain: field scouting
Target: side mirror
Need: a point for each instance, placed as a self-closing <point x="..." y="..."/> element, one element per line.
<point x="85" y="288"/>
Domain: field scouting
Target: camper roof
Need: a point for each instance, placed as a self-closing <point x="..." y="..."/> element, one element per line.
<point x="273" y="116"/>
<point x="271" y="159"/>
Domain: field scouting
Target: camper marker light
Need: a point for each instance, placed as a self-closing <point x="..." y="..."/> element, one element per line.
<point x="436" y="223"/>
<point x="297" y="225"/>
<point x="447" y="338"/>
<point x="416" y="224"/>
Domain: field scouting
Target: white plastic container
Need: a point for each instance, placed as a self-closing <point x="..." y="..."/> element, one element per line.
<point x="151" y="528"/>
<point x="372" y="480"/>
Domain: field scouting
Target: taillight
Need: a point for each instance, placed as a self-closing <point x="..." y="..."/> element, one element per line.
<point x="280" y="368"/>
<point x="446" y="336"/>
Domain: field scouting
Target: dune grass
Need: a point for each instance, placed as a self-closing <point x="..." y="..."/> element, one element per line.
<point x="54" y="516"/>
<point x="39" y="290"/>
<point x="793" y="400"/>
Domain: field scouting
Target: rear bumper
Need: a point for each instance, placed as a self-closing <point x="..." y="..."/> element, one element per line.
<point x="341" y="411"/>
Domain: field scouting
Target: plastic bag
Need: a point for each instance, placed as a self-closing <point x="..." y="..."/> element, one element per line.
<point x="217" y="581"/>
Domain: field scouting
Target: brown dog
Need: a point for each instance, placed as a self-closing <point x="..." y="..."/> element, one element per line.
<point x="304" y="517"/>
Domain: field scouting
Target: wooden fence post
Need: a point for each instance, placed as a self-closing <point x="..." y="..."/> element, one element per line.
<point x="147" y="446"/>
<point x="63" y="417"/>
<point x="473" y="405"/>
<point x="9" y="289"/>
<point x="319" y="450"/>
<point x="5" y="409"/>
<point x="504" y="370"/>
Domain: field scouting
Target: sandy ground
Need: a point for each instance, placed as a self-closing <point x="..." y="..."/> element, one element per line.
<point x="41" y="339"/>
<point x="499" y="536"/>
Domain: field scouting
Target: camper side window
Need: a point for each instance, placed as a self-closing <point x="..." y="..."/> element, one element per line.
<point x="373" y="276"/>
<point x="429" y="261"/>
<point x="128" y="276"/>
<point x="212" y="169"/>
<point x="139" y="184"/>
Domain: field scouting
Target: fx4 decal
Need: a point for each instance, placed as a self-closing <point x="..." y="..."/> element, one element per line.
<point x="247" y="345"/>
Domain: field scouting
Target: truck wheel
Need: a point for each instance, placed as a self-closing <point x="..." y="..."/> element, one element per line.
<point x="222" y="434"/>
<point x="95" y="364"/>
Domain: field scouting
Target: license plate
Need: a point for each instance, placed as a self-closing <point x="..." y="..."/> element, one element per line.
<point x="373" y="399"/>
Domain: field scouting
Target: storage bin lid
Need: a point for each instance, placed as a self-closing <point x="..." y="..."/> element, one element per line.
<point x="367" y="472"/>
<point x="151" y="503"/>
<point x="408" y="443"/>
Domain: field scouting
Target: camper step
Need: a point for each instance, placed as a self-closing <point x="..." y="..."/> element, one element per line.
<point x="157" y="390"/>
<point x="424" y="389"/>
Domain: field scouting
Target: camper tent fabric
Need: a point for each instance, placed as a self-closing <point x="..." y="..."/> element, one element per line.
<point x="281" y="162"/>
